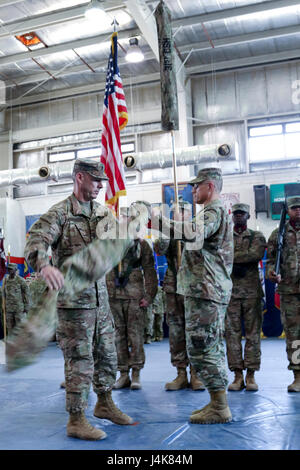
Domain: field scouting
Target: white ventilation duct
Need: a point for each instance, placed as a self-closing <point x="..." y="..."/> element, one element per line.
<point x="138" y="161"/>
<point x="186" y="156"/>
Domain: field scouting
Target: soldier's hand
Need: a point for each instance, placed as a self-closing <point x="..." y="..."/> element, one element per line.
<point x="274" y="278"/>
<point x="144" y="303"/>
<point x="53" y="277"/>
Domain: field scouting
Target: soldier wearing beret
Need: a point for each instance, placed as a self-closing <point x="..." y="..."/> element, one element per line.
<point x="204" y="279"/>
<point x="85" y="325"/>
<point x="289" y="284"/>
<point x="175" y="307"/>
<point x="16" y="297"/>
<point x="246" y="301"/>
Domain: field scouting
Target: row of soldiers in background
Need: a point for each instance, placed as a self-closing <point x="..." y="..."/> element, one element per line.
<point x="246" y="301"/>
<point x="132" y="287"/>
<point x="17" y="295"/>
<point x="204" y="283"/>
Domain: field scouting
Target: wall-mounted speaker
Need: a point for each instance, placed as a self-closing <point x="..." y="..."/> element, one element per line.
<point x="261" y="198"/>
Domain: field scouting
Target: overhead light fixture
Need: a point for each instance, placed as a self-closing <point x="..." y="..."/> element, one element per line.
<point x="96" y="12"/>
<point x="134" y="53"/>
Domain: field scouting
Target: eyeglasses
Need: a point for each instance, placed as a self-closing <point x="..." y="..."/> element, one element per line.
<point x="196" y="185"/>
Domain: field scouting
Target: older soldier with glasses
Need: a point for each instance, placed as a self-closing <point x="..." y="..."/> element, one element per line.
<point x="204" y="281"/>
<point x="85" y="325"/>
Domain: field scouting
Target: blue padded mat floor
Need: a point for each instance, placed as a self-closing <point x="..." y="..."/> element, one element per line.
<point x="33" y="416"/>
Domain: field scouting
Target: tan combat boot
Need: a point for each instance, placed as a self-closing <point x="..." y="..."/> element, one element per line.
<point x="123" y="381"/>
<point x="217" y="411"/>
<point x="195" y="382"/>
<point x="238" y="383"/>
<point x="79" y="427"/>
<point x="295" y="386"/>
<point x="181" y="381"/>
<point x="251" y="385"/>
<point x="135" y="380"/>
<point x="105" y="408"/>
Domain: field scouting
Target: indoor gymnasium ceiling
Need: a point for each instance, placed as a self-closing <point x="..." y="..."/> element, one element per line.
<point x="210" y="36"/>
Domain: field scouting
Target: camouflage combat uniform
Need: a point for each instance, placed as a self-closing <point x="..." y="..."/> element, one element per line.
<point x="204" y="281"/>
<point x="245" y="302"/>
<point x="288" y="288"/>
<point x="37" y="287"/>
<point x="17" y="300"/>
<point x="138" y="267"/>
<point x="158" y="310"/>
<point x="174" y="303"/>
<point x="85" y="325"/>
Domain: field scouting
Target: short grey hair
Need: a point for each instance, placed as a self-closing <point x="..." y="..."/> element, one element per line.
<point x="218" y="184"/>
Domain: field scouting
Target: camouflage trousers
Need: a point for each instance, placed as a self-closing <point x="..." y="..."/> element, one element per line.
<point x="129" y="320"/>
<point x="13" y="319"/>
<point x="176" y="323"/>
<point x="157" y="329"/>
<point x="290" y="319"/>
<point x="250" y="311"/>
<point x="204" y="327"/>
<point x="87" y="339"/>
<point x="148" y="321"/>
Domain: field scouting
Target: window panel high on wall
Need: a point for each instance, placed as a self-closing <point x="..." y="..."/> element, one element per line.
<point x="274" y="143"/>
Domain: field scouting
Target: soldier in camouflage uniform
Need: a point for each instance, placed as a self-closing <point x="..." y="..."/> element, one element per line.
<point x="130" y="293"/>
<point x="246" y="301"/>
<point x="85" y="325"/>
<point x="175" y="309"/>
<point x="289" y="285"/>
<point x="204" y="279"/>
<point x="148" y="328"/>
<point x="16" y="297"/>
<point x="37" y="287"/>
<point x="158" y="310"/>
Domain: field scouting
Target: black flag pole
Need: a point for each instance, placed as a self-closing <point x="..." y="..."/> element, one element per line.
<point x="169" y="115"/>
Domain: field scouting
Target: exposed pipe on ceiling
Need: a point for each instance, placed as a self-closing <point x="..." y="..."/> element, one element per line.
<point x="138" y="161"/>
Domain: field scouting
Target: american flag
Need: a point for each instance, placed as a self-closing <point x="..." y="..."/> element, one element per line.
<point x="115" y="118"/>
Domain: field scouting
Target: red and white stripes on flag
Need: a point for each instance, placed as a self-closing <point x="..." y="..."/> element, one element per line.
<point x="115" y="118"/>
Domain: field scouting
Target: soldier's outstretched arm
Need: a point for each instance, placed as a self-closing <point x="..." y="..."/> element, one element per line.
<point x="44" y="233"/>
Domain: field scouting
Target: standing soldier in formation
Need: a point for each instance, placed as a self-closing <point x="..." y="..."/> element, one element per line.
<point x="289" y="285"/>
<point x="246" y="301"/>
<point x="16" y="297"/>
<point x="158" y="310"/>
<point x="85" y="325"/>
<point x="130" y="292"/>
<point x="204" y="281"/>
<point x="175" y="309"/>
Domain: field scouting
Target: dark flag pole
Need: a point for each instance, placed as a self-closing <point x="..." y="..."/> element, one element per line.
<point x="169" y="114"/>
<point x="2" y="274"/>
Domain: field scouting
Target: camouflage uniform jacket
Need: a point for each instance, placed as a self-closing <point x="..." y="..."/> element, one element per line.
<point x="169" y="249"/>
<point x="16" y="294"/>
<point x="142" y="282"/>
<point x="290" y="264"/>
<point x="37" y="287"/>
<point x="158" y="306"/>
<point x="249" y="249"/>
<point x="205" y="272"/>
<point x="67" y="229"/>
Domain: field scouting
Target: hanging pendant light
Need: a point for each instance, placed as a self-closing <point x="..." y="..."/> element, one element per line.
<point x="134" y="53"/>
<point x="96" y="12"/>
